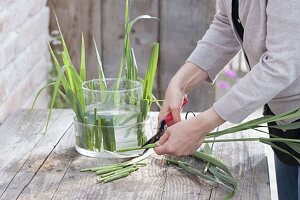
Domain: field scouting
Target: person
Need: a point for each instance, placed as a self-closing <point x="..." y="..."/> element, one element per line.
<point x="268" y="32"/>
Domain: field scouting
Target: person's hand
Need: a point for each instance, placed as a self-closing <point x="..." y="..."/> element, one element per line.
<point x="187" y="77"/>
<point x="185" y="137"/>
<point x="173" y="102"/>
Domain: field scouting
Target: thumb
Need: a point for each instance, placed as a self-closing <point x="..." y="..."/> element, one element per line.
<point x="164" y="138"/>
<point x="161" y="149"/>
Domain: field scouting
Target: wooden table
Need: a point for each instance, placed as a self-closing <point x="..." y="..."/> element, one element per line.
<point x="35" y="165"/>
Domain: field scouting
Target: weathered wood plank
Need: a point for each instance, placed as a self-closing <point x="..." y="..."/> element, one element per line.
<point x="143" y="34"/>
<point x="51" y="171"/>
<point x="182" y="185"/>
<point x="182" y="24"/>
<point x="38" y="155"/>
<point x="248" y="163"/>
<point x="249" y="166"/>
<point x="76" y="17"/>
<point x="77" y="185"/>
<point x="48" y="178"/>
<point x="18" y="137"/>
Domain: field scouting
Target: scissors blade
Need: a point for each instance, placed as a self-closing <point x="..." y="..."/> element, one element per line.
<point x="150" y="141"/>
<point x="159" y="133"/>
<point x="142" y="157"/>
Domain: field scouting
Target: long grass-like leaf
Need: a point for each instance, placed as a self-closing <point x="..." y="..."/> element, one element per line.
<point x="279" y="148"/>
<point x="66" y="56"/>
<point x="58" y="67"/>
<point x="56" y="87"/>
<point x="151" y="71"/>
<point x="286" y="127"/>
<point x="82" y="60"/>
<point x="212" y="160"/>
<point x="102" y="82"/>
<point x="39" y="92"/>
<point x="293" y="145"/>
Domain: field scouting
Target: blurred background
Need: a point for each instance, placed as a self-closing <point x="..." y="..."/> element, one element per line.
<point x="27" y="25"/>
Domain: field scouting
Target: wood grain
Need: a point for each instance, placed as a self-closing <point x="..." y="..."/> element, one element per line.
<point x="75" y="18"/>
<point x="144" y="33"/>
<point x="48" y="178"/>
<point x="18" y="136"/>
<point x="182" y="24"/>
<point x="48" y="167"/>
<point x="38" y="155"/>
<point x="248" y="162"/>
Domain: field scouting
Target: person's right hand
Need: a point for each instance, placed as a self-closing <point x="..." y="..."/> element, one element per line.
<point x="173" y="102"/>
<point x="187" y="77"/>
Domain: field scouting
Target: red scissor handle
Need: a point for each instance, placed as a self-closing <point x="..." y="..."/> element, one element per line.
<point x="169" y="117"/>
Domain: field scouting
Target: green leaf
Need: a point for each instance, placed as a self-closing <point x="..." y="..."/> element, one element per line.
<point x="127" y="11"/>
<point x="39" y="92"/>
<point x="279" y="148"/>
<point x="58" y="67"/>
<point x="223" y="177"/>
<point x="207" y="149"/>
<point x="56" y="88"/>
<point x="65" y="55"/>
<point x="294" y="146"/>
<point x="286" y="127"/>
<point x="212" y="160"/>
<point x="82" y="63"/>
<point x="127" y="46"/>
<point x="130" y="24"/>
<point x="102" y="82"/>
<point x="151" y="71"/>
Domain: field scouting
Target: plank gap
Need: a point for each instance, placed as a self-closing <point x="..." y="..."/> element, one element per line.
<point x="42" y="162"/>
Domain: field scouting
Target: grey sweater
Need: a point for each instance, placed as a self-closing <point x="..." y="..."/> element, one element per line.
<point x="272" y="44"/>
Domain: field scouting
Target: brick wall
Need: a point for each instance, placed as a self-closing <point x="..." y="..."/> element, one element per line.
<point x="24" y="57"/>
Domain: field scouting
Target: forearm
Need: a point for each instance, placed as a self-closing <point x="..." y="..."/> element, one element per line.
<point x="188" y="77"/>
<point x="206" y="121"/>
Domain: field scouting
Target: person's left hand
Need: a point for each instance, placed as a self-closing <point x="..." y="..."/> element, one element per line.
<point x="185" y="137"/>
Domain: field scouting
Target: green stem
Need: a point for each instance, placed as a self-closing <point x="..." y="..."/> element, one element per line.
<point x="94" y="169"/>
<point x="253" y="139"/>
<point x="207" y="158"/>
<point x="118" y="176"/>
<point x="99" y="134"/>
<point x="104" y="171"/>
<point x="149" y="146"/>
<point x="87" y="133"/>
<point x="120" y="171"/>
<point x="231" y="140"/>
<point x="176" y="162"/>
<point x="196" y="172"/>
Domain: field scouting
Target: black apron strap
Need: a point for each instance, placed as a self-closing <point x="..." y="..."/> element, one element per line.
<point x="237" y="23"/>
<point x="236" y="19"/>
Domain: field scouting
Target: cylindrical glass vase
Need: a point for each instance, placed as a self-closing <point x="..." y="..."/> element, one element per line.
<point x="114" y="117"/>
<point x="113" y="97"/>
<point x="95" y="140"/>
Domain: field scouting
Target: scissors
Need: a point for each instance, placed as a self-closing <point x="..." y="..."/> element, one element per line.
<point x="163" y="127"/>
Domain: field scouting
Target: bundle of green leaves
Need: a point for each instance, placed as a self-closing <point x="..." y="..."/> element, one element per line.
<point x="69" y="81"/>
